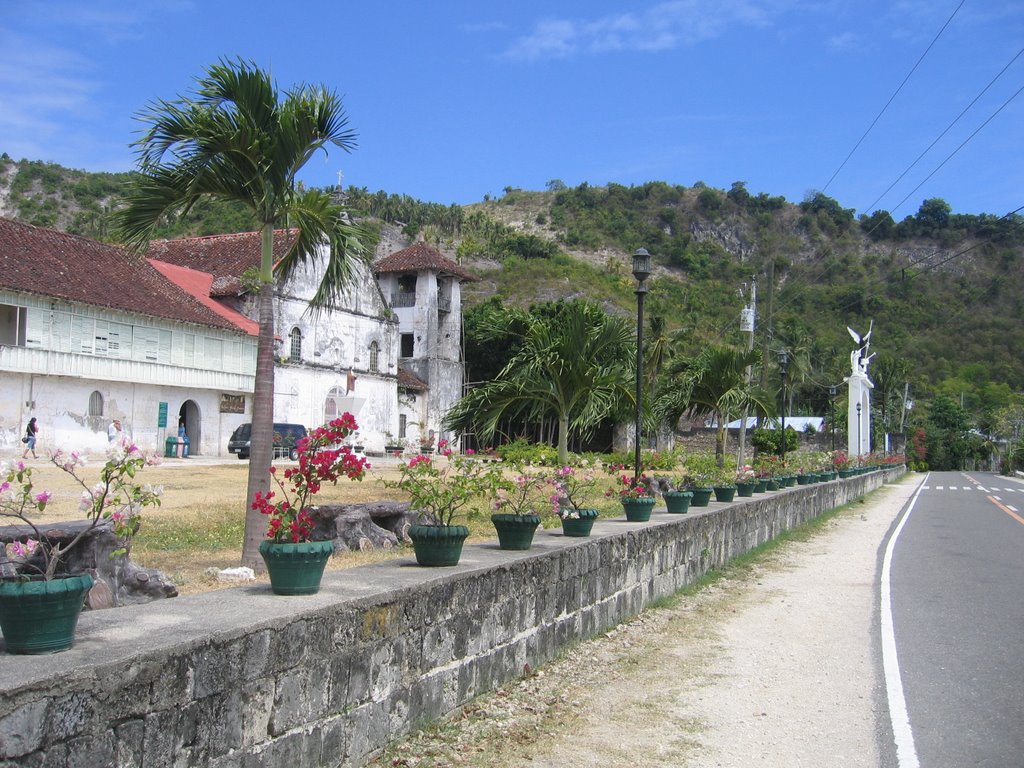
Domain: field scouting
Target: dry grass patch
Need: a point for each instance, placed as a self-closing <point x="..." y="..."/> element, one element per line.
<point x="199" y="524"/>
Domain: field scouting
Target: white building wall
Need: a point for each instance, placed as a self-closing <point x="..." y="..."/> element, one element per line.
<point x="60" y="405"/>
<point x="333" y="345"/>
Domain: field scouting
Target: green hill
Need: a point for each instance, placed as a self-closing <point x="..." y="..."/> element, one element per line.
<point x="943" y="290"/>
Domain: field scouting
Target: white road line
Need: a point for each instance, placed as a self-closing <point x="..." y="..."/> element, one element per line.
<point x="926" y="487"/>
<point x="938" y="488"/>
<point x="954" y="488"/>
<point x="1012" y="509"/>
<point x="906" y="753"/>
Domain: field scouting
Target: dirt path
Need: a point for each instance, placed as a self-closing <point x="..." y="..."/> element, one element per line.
<point x="770" y="666"/>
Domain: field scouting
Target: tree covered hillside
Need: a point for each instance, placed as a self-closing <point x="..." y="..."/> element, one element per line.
<point x="944" y="291"/>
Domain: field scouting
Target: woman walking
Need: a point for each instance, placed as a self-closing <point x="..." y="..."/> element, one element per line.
<point x="30" y="438"/>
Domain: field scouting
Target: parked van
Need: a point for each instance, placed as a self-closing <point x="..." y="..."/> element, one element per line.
<point x="285" y="438"/>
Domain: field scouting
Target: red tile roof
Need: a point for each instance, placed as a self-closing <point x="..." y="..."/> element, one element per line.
<point x="197" y="284"/>
<point x="409" y="380"/>
<point x="223" y="256"/>
<point x="57" y="265"/>
<point x="418" y="256"/>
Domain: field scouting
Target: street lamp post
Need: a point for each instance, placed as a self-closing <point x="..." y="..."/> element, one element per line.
<point x="832" y="414"/>
<point x="641" y="269"/>
<point x="860" y="444"/>
<point x="783" y="364"/>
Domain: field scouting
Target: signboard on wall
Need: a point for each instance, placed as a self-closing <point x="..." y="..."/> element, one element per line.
<point x="161" y="418"/>
<point x="232" y="403"/>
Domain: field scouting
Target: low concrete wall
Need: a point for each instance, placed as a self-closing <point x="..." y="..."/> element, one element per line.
<point x="241" y="677"/>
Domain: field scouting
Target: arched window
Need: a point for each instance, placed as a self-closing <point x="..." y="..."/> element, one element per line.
<point x="332" y="404"/>
<point x="374" y="357"/>
<point x="95" y="404"/>
<point x="295" y="355"/>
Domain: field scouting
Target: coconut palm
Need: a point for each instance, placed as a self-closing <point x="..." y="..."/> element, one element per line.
<point x="714" y="383"/>
<point x="574" y="363"/>
<point x="237" y="139"/>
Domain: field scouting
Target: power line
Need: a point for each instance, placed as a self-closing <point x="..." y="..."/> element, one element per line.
<point x="944" y="132"/>
<point x="962" y="145"/>
<point x="892" y="98"/>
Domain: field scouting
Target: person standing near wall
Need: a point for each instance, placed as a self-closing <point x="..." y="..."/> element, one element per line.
<point x="114" y="431"/>
<point x="30" y="438"/>
<point x="183" y="440"/>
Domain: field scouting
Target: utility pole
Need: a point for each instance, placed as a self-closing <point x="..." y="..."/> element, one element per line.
<point x="766" y="355"/>
<point x="748" y="319"/>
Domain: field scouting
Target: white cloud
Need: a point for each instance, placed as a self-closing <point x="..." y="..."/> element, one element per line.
<point x="663" y="26"/>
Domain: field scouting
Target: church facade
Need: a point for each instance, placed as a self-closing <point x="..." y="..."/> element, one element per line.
<point x="89" y="333"/>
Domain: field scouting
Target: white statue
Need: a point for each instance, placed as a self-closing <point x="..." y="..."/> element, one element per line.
<point x="858" y="415"/>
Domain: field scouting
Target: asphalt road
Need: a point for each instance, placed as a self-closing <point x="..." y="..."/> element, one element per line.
<point x="957" y="586"/>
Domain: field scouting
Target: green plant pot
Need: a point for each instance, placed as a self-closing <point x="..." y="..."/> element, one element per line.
<point x="515" y="531"/>
<point x="845" y="473"/>
<point x="438" y="545"/>
<point x="790" y="481"/>
<point x="774" y="484"/>
<point x="295" y="569"/>
<point x="803" y="479"/>
<point x="745" y="489"/>
<point x="762" y="485"/>
<point x="40" y="616"/>
<point x="725" y="492"/>
<point x="581" y="526"/>
<point x="638" y="510"/>
<point x="701" y="497"/>
<point x="677" y="502"/>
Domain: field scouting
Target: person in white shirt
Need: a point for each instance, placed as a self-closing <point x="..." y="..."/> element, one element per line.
<point x="114" y="431"/>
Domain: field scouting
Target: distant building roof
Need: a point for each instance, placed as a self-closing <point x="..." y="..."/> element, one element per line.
<point x="223" y="256"/>
<point x="57" y="265"/>
<point x="409" y="380"/>
<point x="797" y="423"/>
<point x="419" y="256"/>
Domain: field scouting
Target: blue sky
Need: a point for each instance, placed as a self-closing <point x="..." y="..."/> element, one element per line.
<point x="455" y="100"/>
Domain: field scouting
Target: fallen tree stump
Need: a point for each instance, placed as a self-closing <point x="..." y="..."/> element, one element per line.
<point x="375" y="525"/>
<point x="119" y="581"/>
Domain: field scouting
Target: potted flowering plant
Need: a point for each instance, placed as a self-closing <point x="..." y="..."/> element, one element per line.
<point x="294" y="561"/>
<point x="746" y="480"/>
<point x="701" y="473"/>
<point x="572" y="488"/>
<point x="517" y="500"/>
<point x="678" y="496"/>
<point x="769" y="467"/>
<point x="440" y="490"/>
<point x="842" y="464"/>
<point x="636" y="497"/>
<point x="40" y="604"/>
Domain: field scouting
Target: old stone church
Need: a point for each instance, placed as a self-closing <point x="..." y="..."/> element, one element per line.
<point x="89" y="333"/>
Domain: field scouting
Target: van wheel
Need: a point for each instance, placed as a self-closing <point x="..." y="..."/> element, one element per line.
<point x="294" y="454"/>
<point x="243" y="456"/>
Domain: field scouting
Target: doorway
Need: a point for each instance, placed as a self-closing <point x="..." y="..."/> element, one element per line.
<point x="190" y="417"/>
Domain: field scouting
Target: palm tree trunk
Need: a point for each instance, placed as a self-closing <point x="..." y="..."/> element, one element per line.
<point x="563" y="440"/>
<point x="720" y="441"/>
<point x="262" y="436"/>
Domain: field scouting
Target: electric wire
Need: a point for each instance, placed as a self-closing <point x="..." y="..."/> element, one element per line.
<point x="893" y="97"/>
<point x="939" y="137"/>
<point x="962" y="145"/>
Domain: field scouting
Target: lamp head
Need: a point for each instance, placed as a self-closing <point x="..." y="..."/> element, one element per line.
<point x="858" y="409"/>
<point x="832" y="391"/>
<point x="783" y="358"/>
<point x="641" y="264"/>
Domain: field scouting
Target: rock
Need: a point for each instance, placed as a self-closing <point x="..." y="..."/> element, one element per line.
<point x="240" y="574"/>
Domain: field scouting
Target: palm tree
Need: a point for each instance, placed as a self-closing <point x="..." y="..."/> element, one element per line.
<point x="714" y="383"/>
<point x="236" y="139"/>
<point x="574" y="364"/>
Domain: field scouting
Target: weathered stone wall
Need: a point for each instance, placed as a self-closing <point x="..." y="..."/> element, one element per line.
<point x="241" y="677"/>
